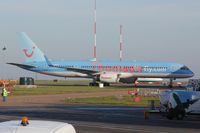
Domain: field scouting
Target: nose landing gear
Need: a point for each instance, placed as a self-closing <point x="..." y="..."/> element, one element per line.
<point x="171" y="83"/>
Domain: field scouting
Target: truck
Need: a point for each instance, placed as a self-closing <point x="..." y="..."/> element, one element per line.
<point x="178" y="103"/>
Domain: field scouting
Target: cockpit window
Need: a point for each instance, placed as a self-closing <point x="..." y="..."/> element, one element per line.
<point x="184" y="68"/>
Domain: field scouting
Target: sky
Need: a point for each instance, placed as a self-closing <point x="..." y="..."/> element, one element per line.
<point x="153" y="30"/>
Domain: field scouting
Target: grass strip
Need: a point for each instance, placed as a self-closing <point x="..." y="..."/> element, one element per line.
<point x="114" y="100"/>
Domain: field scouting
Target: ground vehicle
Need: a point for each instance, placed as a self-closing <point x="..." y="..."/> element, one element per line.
<point x="178" y="103"/>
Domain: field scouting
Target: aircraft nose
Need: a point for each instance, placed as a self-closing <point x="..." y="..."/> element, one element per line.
<point x="191" y="73"/>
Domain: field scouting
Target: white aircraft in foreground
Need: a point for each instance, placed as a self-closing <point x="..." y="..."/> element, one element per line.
<point x="36" y="126"/>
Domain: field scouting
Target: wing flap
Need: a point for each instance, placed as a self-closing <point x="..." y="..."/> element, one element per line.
<point x="85" y="71"/>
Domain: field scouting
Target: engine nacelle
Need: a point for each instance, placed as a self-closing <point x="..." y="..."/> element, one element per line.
<point x="109" y="78"/>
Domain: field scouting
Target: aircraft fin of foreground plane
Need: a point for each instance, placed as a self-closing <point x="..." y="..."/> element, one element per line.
<point x="178" y="102"/>
<point x="31" y="52"/>
<point x="190" y="102"/>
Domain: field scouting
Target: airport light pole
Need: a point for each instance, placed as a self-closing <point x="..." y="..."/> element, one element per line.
<point x="95" y="31"/>
<point x="3" y="63"/>
<point x="121" y="43"/>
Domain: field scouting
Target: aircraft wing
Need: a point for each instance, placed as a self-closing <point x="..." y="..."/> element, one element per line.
<point x="85" y="71"/>
<point x="21" y="65"/>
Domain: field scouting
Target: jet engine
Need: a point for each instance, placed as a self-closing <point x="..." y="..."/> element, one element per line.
<point x="109" y="78"/>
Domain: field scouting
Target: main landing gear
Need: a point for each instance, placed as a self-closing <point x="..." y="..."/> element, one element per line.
<point x="93" y="84"/>
<point x="171" y="83"/>
<point x="178" y="113"/>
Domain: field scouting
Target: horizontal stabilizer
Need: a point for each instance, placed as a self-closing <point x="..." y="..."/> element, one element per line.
<point x="21" y="65"/>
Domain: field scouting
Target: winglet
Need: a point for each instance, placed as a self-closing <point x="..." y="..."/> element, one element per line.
<point x="48" y="62"/>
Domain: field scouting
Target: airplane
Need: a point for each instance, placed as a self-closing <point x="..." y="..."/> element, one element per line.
<point x="105" y="72"/>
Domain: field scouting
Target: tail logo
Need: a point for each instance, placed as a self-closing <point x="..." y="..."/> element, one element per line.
<point x="27" y="54"/>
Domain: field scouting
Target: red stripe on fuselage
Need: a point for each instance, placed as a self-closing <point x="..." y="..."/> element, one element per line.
<point x="125" y="69"/>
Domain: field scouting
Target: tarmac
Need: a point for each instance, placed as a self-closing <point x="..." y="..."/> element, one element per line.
<point x="103" y="119"/>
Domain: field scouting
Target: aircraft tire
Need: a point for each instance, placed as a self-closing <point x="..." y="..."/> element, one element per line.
<point x="91" y="84"/>
<point x="96" y="84"/>
<point x="180" y="115"/>
<point x="170" y="86"/>
<point x="170" y="116"/>
<point x="106" y="84"/>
